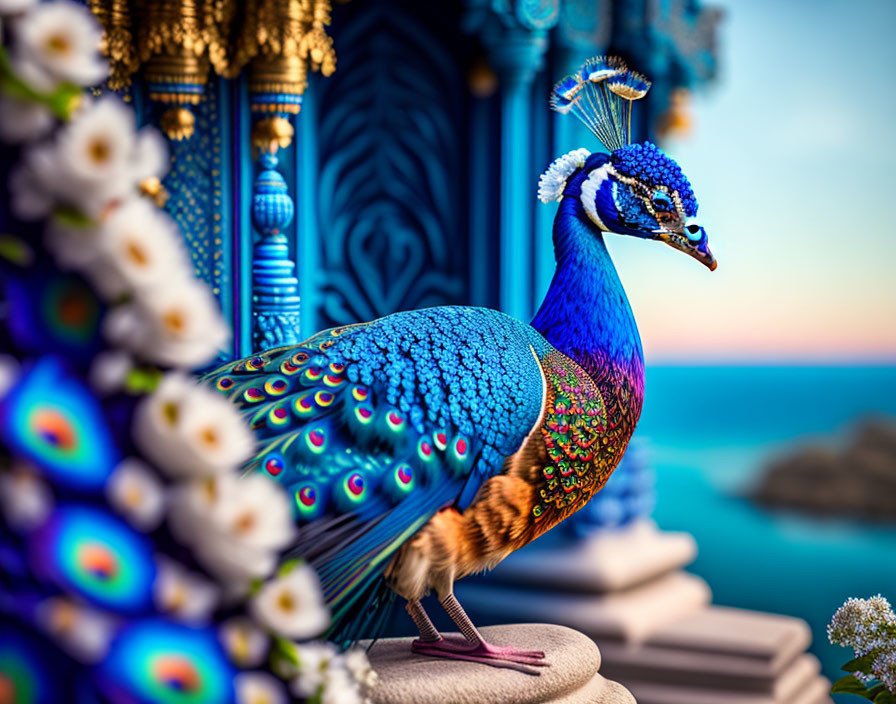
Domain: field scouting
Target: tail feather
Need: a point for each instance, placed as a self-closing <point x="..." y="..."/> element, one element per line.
<point x="351" y="554"/>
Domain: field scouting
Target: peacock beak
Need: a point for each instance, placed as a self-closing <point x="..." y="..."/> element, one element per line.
<point x="693" y="242"/>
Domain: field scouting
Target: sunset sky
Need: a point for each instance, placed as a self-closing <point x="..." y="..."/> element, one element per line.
<point x="793" y="160"/>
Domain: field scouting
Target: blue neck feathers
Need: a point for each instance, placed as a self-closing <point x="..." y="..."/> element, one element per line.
<point x="585" y="313"/>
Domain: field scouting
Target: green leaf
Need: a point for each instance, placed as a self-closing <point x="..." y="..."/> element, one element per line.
<point x="15" y="250"/>
<point x="850" y="685"/>
<point x="71" y="217"/>
<point x="862" y="664"/>
<point x="288" y="566"/>
<point x="885" y="697"/>
<point x="255" y="585"/>
<point x="61" y="102"/>
<point x="286" y="649"/>
<point x="142" y="380"/>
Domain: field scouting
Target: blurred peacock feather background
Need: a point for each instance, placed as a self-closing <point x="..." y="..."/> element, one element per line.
<point x="136" y="563"/>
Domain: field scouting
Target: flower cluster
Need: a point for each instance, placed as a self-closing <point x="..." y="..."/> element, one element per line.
<point x="130" y="539"/>
<point x="647" y="162"/>
<point x="55" y="51"/>
<point x="868" y="626"/>
<point x="88" y="177"/>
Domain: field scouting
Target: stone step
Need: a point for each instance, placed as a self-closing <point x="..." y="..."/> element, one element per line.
<point x="655" y="666"/>
<point x="628" y="616"/>
<point x="609" y="561"/>
<point x="572" y="678"/>
<point x="815" y="692"/>
<point x="768" y="641"/>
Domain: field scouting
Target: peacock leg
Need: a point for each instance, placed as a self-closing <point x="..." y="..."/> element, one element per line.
<point x="474" y="647"/>
<point x="428" y="632"/>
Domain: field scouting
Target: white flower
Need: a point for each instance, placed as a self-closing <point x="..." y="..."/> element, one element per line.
<point x="245" y="643"/>
<point x="358" y="665"/>
<point x="884" y="668"/>
<point x="97" y="160"/>
<point x="9" y="372"/>
<point x="189" y="430"/>
<point x="30" y="199"/>
<point x="14" y="7"/>
<point x="32" y="74"/>
<point x="83" y="632"/>
<point x="178" y="325"/>
<point x="25" y="499"/>
<point x="323" y="670"/>
<point x="185" y="595"/>
<point x="863" y="624"/>
<point x="141" y="247"/>
<point x="109" y="371"/>
<point x="292" y="605"/>
<point x="72" y="246"/>
<point x="21" y="121"/>
<point x="340" y="688"/>
<point x="315" y="659"/>
<point x="137" y="494"/>
<point x="259" y="688"/>
<point x="235" y="525"/>
<point x="63" y="38"/>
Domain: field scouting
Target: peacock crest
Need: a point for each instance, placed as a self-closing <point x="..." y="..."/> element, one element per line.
<point x="600" y="94"/>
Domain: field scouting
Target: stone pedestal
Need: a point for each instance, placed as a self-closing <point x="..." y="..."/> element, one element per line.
<point x="571" y="678"/>
<point x="657" y="631"/>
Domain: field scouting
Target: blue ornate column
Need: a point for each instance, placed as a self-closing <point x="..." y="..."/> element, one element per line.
<point x="275" y="288"/>
<point x="278" y="76"/>
<point x="514" y="35"/>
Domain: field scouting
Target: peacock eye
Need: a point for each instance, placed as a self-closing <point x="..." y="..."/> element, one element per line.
<point x="661" y="200"/>
<point x="694" y="232"/>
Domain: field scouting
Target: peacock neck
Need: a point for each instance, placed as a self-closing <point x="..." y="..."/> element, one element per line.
<point x="585" y="313"/>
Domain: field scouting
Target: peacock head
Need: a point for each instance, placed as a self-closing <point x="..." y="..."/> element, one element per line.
<point x="636" y="189"/>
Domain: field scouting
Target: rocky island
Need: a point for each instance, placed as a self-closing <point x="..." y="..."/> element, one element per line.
<point x="855" y="480"/>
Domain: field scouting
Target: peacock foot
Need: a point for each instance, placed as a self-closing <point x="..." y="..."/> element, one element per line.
<point x="482" y="652"/>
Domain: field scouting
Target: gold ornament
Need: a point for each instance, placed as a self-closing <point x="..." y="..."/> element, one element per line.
<point x="277" y="83"/>
<point x="271" y="134"/>
<point x="229" y="33"/>
<point x="118" y="41"/>
<point x="178" y="123"/>
<point x="153" y="189"/>
<point x="177" y="42"/>
<point x="676" y="121"/>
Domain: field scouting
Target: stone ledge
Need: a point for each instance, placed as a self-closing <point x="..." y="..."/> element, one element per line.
<point x="630" y="616"/>
<point x="572" y="678"/>
<point x="657" y="667"/>
<point x="772" y="639"/>
<point x="601" y="563"/>
<point x="815" y="692"/>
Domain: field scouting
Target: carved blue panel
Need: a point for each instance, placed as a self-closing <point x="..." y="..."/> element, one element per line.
<point x="392" y="180"/>
<point x="194" y="183"/>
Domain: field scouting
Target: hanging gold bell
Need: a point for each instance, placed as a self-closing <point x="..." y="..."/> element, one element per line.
<point x="177" y="79"/>
<point x="276" y="85"/>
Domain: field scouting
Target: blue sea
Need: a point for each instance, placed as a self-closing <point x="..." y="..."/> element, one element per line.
<point x="710" y="430"/>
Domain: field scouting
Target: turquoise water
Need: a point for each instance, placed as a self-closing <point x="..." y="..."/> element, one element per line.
<point x="710" y="429"/>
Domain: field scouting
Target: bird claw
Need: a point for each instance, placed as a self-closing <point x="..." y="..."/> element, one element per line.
<point x="495" y="655"/>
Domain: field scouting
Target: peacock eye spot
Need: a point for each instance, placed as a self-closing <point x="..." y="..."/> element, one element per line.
<point x="661" y="200"/>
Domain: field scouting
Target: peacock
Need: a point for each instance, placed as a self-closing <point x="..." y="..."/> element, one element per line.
<point x="430" y="444"/>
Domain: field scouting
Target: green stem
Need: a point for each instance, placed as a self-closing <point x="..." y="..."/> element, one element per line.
<point x="61" y="102"/>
